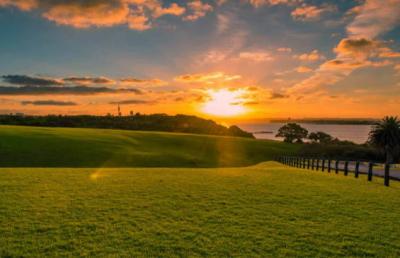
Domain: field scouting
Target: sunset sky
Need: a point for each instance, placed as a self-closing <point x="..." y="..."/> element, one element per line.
<point x="224" y="59"/>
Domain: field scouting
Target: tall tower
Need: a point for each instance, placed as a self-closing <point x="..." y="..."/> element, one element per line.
<point x="119" y="110"/>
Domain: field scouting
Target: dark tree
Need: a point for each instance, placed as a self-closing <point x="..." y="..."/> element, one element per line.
<point x="320" y="137"/>
<point x="154" y="122"/>
<point x="292" y="132"/>
<point x="386" y="136"/>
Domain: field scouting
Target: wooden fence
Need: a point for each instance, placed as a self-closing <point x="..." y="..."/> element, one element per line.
<point x="336" y="166"/>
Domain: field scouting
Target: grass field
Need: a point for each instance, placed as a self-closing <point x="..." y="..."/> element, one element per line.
<point x="263" y="210"/>
<point x="90" y="192"/>
<point x="63" y="147"/>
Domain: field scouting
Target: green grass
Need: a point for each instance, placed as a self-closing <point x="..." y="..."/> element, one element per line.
<point x="264" y="210"/>
<point x="64" y="147"/>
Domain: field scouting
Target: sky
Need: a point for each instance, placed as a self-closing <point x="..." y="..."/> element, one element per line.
<point x="229" y="60"/>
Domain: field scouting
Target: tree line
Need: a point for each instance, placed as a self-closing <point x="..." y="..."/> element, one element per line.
<point x="153" y="122"/>
<point x="383" y="143"/>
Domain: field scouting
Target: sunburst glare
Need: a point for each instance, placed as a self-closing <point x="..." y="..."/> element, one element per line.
<point x="225" y="102"/>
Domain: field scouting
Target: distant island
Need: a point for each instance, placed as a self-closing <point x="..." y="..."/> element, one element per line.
<point x="138" y="122"/>
<point x="333" y="121"/>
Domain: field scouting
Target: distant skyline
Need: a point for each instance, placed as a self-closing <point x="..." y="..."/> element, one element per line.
<point x="230" y="60"/>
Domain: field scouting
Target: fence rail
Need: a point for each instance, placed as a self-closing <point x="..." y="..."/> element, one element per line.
<point x="370" y="169"/>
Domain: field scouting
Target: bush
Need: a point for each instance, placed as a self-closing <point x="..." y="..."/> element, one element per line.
<point x="342" y="151"/>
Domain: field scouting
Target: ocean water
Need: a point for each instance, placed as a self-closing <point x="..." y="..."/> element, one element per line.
<point x="354" y="133"/>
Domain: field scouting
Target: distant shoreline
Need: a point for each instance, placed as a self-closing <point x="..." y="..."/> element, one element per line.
<point x="327" y="121"/>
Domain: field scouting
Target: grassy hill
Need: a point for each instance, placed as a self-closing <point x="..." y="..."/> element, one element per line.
<point x="264" y="210"/>
<point x="66" y="147"/>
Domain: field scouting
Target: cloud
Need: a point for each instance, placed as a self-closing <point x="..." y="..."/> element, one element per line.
<point x="363" y="48"/>
<point x="259" y="3"/>
<point x="57" y="90"/>
<point x="311" y="12"/>
<point x="27" y="80"/>
<point x="48" y="103"/>
<point x="311" y="57"/>
<point x="78" y="15"/>
<point x="139" y="21"/>
<point x="209" y="78"/>
<point x="303" y="69"/>
<point x="388" y="53"/>
<point x="357" y="48"/>
<point x="374" y="17"/>
<point x="256" y="56"/>
<point x="284" y="49"/>
<point x="131" y="102"/>
<point x="137" y="14"/>
<point x="223" y="22"/>
<point x="397" y="68"/>
<point x="278" y="95"/>
<point x="198" y="9"/>
<point x="174" y="9"/>
<point x="89" y="80"/>
<point x="213" y="56"/>
<point x="143" y="82"/>
<point x="340" y="64"/>
<point x="24" y="5"/>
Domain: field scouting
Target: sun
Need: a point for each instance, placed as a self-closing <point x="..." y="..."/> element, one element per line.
<point x="224" y="102"/>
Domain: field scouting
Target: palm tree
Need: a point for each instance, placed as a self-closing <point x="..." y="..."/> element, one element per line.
<point x="386" y="135"/>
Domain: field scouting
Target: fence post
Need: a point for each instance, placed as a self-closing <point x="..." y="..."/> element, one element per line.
<point x="329" y="166"/>
<point x="317" y="164"/>
<point x="337" y="166"/>
<point x="308" y="163"/>
<point x="387" y="174"/>
<point x="346" y="168"/>
<point x="357" y="170"/>
<point x="370" y="168"/>
<point x="323" y="165"/>
<point x="312" y="164"/>
<point x="304" y="163"/>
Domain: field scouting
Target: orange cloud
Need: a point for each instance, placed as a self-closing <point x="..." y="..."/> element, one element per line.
<point x="312" y="56"/>
<point x="311" y="12"/>
<point x="85" y="16"/>
<point x="303" y="69"/>
<point x="351" y="54"/>
<point x="258" y="3"/>
<point x="397" y="68"/>
<point x="363" y="48"/>
<point x="198" y="9"/>
<point x="374" y="17"/>
<point x="143" y="82"/>
<point x="137" y="14"/>
<point x="208" y="78"/>
<point x="173" y="9"/>
<point x="285" y="49"/>
<point x="25" y="5"/>
<point x="256" y="56"/>
<point x="89" y="80"/>
<point x="357" y="48"/>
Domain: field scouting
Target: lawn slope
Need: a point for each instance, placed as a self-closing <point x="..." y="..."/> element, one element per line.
<point x="264" y="210"/>
<point x="66" y="147"/>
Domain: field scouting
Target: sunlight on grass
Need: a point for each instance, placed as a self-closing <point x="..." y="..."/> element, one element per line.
<point x="224" y="212"/>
